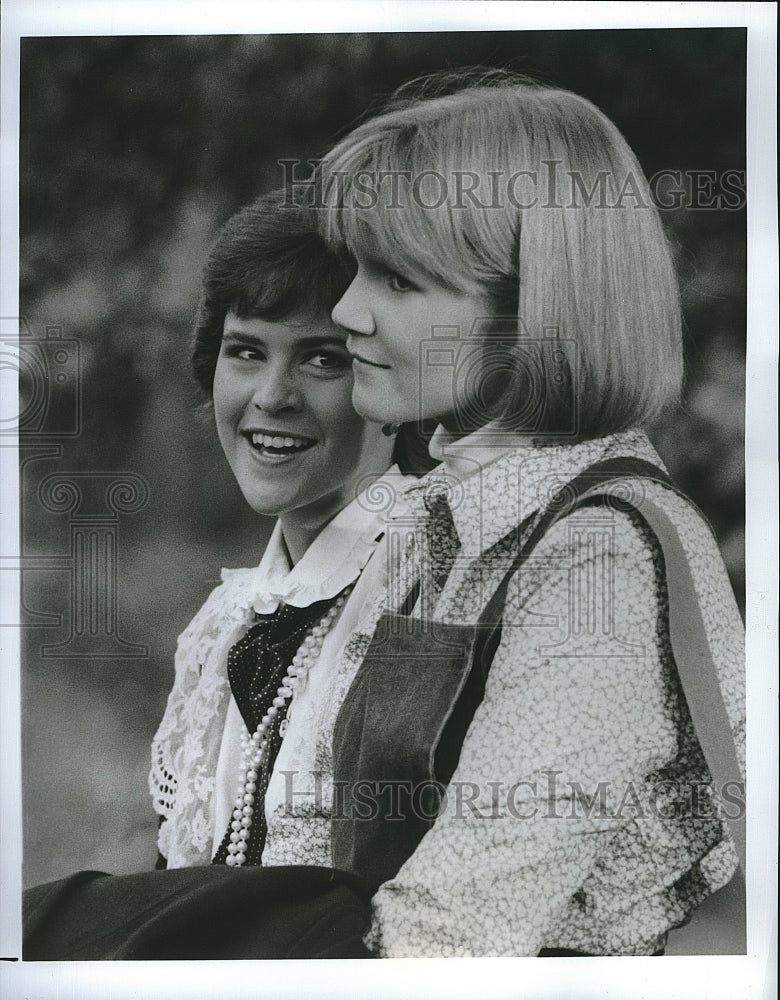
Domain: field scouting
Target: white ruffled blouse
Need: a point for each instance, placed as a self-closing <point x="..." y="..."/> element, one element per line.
<point x="196" y="750"/>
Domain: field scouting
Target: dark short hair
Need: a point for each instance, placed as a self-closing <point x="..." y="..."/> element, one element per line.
<point x="270" y="262"/>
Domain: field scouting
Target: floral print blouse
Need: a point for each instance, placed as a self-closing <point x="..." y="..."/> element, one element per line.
<point x="580" y="814"/>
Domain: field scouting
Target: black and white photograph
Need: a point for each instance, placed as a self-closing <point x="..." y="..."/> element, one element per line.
<point x="389" y="500"/>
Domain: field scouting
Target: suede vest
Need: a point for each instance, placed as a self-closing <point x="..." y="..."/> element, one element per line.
<point x="399" y="733"/>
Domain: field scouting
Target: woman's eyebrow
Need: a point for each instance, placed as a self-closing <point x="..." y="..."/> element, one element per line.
<point x="321" y="341"/>
<point x="368" y="258"/>
<point x="381" y="265"/>
<point x="315" y="340"/>
<point x="243" y="336"/>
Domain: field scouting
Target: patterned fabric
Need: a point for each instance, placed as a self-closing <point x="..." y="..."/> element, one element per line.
<point x="441" y="539"/>
<point x="259" y="660"/>
<point x="580" y="815"/>
<point x="582" y="706"/>
<point x="201" y="726"/>
<point x="256" y="666"/>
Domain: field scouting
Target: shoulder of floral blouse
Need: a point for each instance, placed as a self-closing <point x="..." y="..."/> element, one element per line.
<point x="592" y="595"/>
<point x="619" y="541"/>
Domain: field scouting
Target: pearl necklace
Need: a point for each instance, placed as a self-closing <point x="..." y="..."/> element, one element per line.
<point x="255" y="746"/>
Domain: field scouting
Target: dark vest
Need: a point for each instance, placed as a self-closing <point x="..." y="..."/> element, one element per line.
<point x="399" y="733"/>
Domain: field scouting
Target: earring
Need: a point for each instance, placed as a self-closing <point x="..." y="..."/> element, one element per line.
<point x="389" y="430"/>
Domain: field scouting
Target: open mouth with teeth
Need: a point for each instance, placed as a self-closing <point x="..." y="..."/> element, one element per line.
<point x="279" y="445"/>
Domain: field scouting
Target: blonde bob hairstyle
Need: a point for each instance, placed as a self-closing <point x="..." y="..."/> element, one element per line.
<point x="529" y="196"/>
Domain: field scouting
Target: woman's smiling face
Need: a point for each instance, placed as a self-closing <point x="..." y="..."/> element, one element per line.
<point x="284" y="415"/>
<point x="406" y="338"/>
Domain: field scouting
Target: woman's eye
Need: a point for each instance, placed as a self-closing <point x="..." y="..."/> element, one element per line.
<point x="378" y="270"/>
<point x="329" y="360"/>
<point x="248" y="354"/>
<point x="243" y="352"/>
<point x="399" y="283"/>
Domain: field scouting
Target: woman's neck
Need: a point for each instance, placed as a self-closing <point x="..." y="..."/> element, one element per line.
<point x="300" y="527"/>
<point x="297" y="535"/>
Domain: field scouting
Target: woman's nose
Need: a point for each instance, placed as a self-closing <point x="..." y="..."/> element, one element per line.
<point x="276" y="390"/>
<point x="352" y="311"/>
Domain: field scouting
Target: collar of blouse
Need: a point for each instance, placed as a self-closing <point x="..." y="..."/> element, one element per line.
<point x="335" y="558"/>
<point x="493" y="480"/>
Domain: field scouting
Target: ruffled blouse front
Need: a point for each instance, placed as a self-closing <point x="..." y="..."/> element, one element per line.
<point x="196" y="748"/>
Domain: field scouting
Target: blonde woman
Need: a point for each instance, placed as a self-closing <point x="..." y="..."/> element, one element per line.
<point x="563" y="672"/>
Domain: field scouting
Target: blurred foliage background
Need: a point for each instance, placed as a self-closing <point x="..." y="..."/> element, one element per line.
<point x="133" y="151"/>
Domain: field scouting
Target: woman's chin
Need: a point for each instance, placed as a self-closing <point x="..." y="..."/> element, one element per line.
<point x="371" y="406"/>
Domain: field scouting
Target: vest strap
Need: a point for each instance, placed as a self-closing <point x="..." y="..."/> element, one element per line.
<point x="687" y="632"/>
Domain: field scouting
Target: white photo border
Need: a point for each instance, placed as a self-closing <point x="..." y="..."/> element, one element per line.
<point x="726" y="977"/>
